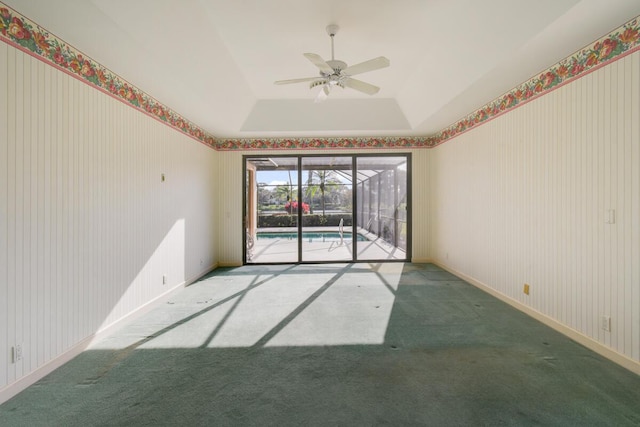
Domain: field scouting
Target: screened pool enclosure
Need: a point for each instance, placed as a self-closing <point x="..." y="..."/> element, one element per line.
<point x="319" y="208"/>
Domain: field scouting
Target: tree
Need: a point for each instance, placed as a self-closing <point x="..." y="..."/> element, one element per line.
<point x="290" y="198"/>
<point x="264" y="194"/>
<point x="323" y="181"/>
<point x="282" y="193"/>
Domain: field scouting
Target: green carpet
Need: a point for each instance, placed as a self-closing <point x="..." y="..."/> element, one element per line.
<point x="349" y="345"/>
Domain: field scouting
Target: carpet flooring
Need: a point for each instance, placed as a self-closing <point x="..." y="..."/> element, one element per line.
<point x="332" y="345"/>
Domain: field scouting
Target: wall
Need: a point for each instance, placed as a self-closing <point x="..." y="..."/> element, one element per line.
<point x="230" y="179"/>
<point x="523" y="199"/>
<point x="87" y="227"/>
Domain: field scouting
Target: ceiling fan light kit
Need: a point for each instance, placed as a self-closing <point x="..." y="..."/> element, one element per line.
<point x="337" y="73"/>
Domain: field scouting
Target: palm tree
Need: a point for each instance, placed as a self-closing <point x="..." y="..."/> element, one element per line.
<point x="310" y="190"/>
<point x="282" y="192"/>
<point x="322" y="180"/>
<point x="290" y="198"/>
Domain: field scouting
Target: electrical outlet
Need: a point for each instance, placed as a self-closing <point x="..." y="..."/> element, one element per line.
<point x="526" y="289"/>
<point x="164" y="279"/>
<point x="610" y="216"/>
<point x="605" y="323"/>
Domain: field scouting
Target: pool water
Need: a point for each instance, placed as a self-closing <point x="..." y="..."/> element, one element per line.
<point x="323" y="237"/>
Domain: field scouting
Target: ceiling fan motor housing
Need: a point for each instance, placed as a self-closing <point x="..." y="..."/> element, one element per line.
<point x="337" y="65"/>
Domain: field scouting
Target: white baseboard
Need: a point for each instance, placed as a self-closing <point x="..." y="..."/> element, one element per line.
<point x="230" y="264"/>
<point x="590" y="343"/>
<point x="22" y="383"/>
<point x="31" y="378"/>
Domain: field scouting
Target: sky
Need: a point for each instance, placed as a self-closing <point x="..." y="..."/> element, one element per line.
<point x="277" y="177"/>
<point x="282" y="178"/>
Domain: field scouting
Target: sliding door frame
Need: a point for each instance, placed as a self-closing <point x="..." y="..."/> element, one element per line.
<point x="354" y="205"/>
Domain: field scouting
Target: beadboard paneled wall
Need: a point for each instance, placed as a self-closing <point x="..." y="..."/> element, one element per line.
<point x="525" y="199"/>
<point x="230" y="180"/>
<point x="87" y="227"/>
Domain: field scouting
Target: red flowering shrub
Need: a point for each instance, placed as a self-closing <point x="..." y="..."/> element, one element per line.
<point x="293" y="207"/>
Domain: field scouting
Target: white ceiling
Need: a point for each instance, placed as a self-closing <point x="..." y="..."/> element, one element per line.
<point x="215" y="61"/>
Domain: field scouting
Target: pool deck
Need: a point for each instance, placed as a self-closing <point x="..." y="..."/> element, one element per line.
<point x="346" y="229"/>
<point x="314" y="250"/>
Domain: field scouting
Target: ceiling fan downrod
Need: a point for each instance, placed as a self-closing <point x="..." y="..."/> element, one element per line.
<point x="332" y="30"/>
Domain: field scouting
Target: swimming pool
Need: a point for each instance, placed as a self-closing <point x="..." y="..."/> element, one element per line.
<point x="322" y="237"/>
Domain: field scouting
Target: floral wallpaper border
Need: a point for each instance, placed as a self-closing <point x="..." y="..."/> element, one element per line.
<point x="322" y="143"/>
<point x="615" y="45"/>
<point x="29" y="37"/>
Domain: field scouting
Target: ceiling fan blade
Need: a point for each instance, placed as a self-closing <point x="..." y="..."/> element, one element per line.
<point x="286" y="82"/>
<point x="361" y="86"/>
<point x="370" y="65"/>
<point x="319" y="62"/>
<point x="322" y="95"/>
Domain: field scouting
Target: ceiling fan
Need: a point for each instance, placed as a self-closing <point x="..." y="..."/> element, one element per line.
<point x="337" y="73"/>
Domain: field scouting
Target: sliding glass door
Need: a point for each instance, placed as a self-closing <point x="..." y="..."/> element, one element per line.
<point x="382" y="201"/>
<point x="320" y="208"/>
<point x="271" y="215"/>
<point x="327" y="218"/>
